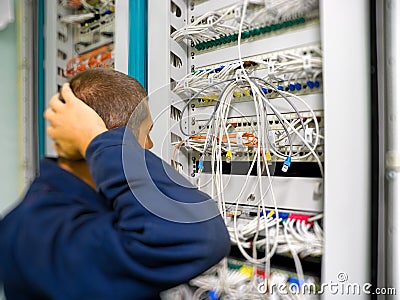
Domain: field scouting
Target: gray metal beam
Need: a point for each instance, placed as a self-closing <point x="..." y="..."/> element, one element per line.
<point x="392" y="140"/>
<point x="345" y="43"/>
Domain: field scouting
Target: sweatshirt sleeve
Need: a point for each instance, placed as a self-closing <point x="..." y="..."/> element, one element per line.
<point x="146" y="229"/>
<point x="165" y="230"/>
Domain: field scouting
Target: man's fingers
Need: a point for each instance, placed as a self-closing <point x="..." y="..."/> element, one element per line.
<point x="55" y="103"/>
<point x="59" y="150"/>
<point x="49" y="115"/>
<point x="50" y="132"/>
<point x="67" y="94"/>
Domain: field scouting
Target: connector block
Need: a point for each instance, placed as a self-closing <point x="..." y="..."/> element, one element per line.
<point x="246" y="34"/>
<point x="286" y="164"/>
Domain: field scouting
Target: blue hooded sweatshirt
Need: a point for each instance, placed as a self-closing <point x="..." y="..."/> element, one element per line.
<point x="143" y="230"/>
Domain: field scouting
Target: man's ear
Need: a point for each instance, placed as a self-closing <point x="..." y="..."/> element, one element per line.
<point x="148" y="144"/>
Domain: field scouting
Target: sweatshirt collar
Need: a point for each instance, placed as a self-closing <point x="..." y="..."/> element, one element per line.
<point x="66" y="182"/>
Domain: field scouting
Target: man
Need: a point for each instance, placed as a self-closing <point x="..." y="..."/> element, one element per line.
<point x="82" y="230"/>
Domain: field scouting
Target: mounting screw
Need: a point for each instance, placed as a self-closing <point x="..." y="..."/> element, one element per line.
<point x="391" y="175"/>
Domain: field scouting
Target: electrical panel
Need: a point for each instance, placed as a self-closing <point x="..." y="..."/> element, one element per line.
<point x="84" y="37"/>
<point x="227" y="126"/>
<point x="78" y="35"/>
<point x="246" y="125"/>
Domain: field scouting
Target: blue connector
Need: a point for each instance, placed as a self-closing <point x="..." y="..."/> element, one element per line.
<point x="291" y="87"/>
<point x="316" y="83"/>
<point x="298" y="86"/>
<point x="265" y="90"/>
<point x="283" y="215"/>
<point x="267" y="212"/>
<point x="280" y="87"/>
<point x="310" y="84"/>
<point x="201" y="166"/>
<point x="286" y="164"/>
<point x="213" y="295"/>
<point x="294" y="281"/>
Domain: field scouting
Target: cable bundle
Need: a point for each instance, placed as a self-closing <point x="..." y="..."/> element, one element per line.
<point x="218" y="139"/>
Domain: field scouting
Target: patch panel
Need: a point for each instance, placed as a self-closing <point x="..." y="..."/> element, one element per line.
<point x="240" y="125"/>
<point x="94" y="33"/>
<point x="254" y="34"/>
<point x="236" y="264"/>
<point x="246" y="154"/>
<point x="271" y="58"/>
<point x="85" y="37"/>
<point x="298" y="88"/>
<point x="79" y="36"/>
<point x="100" y="57"/>
<point x="289" y="64"/>
<point x="243" y="280"/>
<point x="250" y="210"/>
<point x="296" y="70"/>
<point x="212" y="31"/>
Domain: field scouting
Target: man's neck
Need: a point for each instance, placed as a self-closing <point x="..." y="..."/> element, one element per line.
<point x="79" y="168"/>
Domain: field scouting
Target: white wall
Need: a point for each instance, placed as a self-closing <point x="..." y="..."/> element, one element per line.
<point x="10" y="139"/>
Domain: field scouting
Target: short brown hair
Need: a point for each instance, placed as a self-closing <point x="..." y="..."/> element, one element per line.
<point x="113" y="95"/>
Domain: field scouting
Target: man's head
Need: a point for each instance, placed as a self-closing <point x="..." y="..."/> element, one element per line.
<point x="115" y="97"/>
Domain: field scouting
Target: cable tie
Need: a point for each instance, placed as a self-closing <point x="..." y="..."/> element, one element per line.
<point x="308" y="135"/>
<point x="307" y="63"/>
<point x="239" y="76"/>
<point x="271" y="69"/>
<point x="187" y="144"/>
<point x="238" y="14"/>
<point x="211" y="25"/>
<point x="239" y="139"/>
<point x="186" y="84"/>
<point x="211" y="78"/>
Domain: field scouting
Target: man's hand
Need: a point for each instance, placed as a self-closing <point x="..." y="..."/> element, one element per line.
<point x="73" y="124"/>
